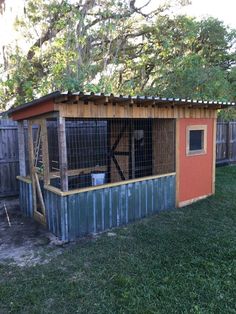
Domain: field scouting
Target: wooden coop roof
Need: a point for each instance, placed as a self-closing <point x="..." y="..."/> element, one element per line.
<point x="53" y="101"/>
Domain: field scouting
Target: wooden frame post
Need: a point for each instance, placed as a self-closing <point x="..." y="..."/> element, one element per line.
<point x="21" y="146"/>
<point x="36" y="189"/>
<point x="62" y="153"/>
<point x="31" y="160"/>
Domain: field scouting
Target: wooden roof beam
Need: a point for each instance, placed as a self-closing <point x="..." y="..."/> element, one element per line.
<point x="101" y="100"/>
<point x="61" y="99"/>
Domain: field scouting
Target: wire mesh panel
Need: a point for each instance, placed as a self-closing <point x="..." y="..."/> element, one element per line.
<point x="37" y="146"/>
<point x="53" y="152"/>
<point x="87" y="143"/>
<point x="86" y="151"/>
<point x="113" y="150"/>
<point x="38" y="166"/>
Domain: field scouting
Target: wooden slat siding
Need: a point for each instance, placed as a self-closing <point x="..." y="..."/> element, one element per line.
<point x="221" y="141"/>
<point x="163" y="138"/>
<point x="9" y="157"/>
<point x="90" y="110"/>
<point x="226" y="142"/>
<point x="9" y="160"/>
<point x="74" y="216"/>
<point x="62" y="153"/>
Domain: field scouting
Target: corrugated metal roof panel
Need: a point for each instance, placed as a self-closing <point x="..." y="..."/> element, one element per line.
<point x="118" y="98"/>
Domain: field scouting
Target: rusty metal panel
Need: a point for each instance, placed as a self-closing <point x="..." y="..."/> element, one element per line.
<point x="91" y="212"/>
<point x="26" y="198"/>
<point x="80" y="218"/>
<point x="96" y="211"/>
<point x="53" y="212"/>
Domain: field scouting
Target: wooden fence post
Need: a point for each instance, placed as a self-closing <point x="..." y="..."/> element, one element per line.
<point x="62" y="153"/>
<point x="21" y="146"/>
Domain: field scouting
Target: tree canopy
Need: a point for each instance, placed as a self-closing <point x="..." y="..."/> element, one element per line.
<point x="113" y="46"/>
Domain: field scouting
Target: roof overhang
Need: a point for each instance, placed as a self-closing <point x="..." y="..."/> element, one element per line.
<point x="59" y="97"/>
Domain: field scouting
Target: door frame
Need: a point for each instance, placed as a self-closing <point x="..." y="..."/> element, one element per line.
<point x="35" y="174"/>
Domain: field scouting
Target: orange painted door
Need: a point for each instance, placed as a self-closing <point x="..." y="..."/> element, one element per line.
<point x="195" y="172"/>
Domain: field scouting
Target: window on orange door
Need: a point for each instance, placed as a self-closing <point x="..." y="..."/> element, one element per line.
<point x="196" y="140"/>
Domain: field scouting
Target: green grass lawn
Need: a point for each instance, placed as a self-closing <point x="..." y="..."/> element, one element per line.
<point x="182" y="261"/>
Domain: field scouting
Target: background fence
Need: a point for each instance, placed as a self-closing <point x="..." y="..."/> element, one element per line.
<point x="226" y="142"/>
<point x="9" y="158"/>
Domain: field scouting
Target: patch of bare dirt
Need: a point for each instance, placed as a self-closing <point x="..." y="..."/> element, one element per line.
<point x="24" y="242"/>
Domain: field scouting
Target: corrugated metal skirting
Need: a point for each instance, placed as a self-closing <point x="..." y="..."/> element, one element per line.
<point x="26" y="200"/>
<point x="73" y="216"/>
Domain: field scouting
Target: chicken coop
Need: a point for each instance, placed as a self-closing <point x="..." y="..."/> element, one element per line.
<point x="91" y="162"/>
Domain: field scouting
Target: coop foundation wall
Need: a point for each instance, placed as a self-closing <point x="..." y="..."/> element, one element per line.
<point x="91" y="212"/>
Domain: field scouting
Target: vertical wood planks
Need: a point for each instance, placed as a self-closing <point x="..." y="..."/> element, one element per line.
<point x="9" y="158"/>
<point x="135" y="110"/>
<point x="226" y="142"/>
